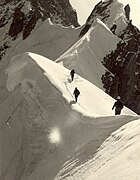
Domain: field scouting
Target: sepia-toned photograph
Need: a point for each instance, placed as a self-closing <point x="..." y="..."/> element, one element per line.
<point x="69" y="90"/>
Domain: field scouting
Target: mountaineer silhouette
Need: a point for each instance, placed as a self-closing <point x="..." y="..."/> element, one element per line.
<point x="118" y="105"/>
<point x="72" y="74"/>
<point x="76" y="93"/>
<point x="113" y="28"/>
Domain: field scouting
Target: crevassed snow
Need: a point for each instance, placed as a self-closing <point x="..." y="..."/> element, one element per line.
<point x="87" y="54"/>
<point x="44" y="127"/>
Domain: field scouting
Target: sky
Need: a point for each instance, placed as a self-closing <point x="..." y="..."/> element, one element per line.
<point x="86" y="6"/>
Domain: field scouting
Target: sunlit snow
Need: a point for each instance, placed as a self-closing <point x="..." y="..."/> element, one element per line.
<point x="49" y="134"/>
<point x="55" y="136"/>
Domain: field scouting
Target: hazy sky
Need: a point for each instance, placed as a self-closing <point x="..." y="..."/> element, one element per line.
<point x="84" y="8"/>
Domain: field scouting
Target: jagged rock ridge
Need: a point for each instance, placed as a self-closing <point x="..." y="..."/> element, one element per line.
<point x="124" y="63"/>
<point x="26" y="13"/>
<point x="20" y="17"/>
<point x="102" y="11"/>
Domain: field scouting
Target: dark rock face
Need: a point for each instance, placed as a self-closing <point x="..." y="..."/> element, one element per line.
<point x="127" y="11"/>
<point x="101" y="10"/>
<point x="60" y="12"/>
<point x="17" y="24"/>
<point x="124" y="63"/>
<point x="22" y="16"/>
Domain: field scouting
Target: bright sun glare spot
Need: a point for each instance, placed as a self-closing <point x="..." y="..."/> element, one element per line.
<point x="55" y="136"/>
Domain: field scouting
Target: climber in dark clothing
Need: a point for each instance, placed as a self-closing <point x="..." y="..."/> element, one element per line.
<point x="118" y="105"/>
<point x="72" y="74"/>
<point x="113" y="28"/>
<point x="76" y="93"/>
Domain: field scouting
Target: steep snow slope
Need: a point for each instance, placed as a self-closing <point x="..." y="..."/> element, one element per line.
<point x="25" y="25"/>
<point x="117" y="158"/>
<point x="46" y="39"/>
<point x="42" y="126"/>
<point x="62" y="81"/>
<point x="19" y="19"/>
<point x="125" y="149"/>
<point x="87" y="54"/>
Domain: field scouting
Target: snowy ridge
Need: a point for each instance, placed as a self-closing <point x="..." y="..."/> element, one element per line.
<point x="87" y="54"/>
<point x="45" y="127"/>
<point x="16" y="73"/>
<point x="48" y="40"/>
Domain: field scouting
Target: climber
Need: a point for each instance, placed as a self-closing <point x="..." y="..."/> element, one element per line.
<point x="127" y="11"/>
<point x="76" y="93"/>
<point x="118" y="105"/>
<point x="72" y="74"/>
<point x="113" y="28"/>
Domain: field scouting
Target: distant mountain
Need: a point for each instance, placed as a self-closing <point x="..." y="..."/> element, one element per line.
<point x="18" y="18"/>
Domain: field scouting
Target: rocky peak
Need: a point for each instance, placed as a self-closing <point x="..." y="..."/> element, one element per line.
<point x="108" y="11"/>
<point x="19" y="18"/>
<point x="25" y="14"/>
<point x="124" y="63"/>
<point x="127" y="11"/>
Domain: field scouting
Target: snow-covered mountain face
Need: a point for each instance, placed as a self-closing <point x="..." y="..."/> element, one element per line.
<point x="25" y="14"/>
<point x="24" y="26"/>
<point x="86" y="55"/>
<point x="18" y="18"/>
